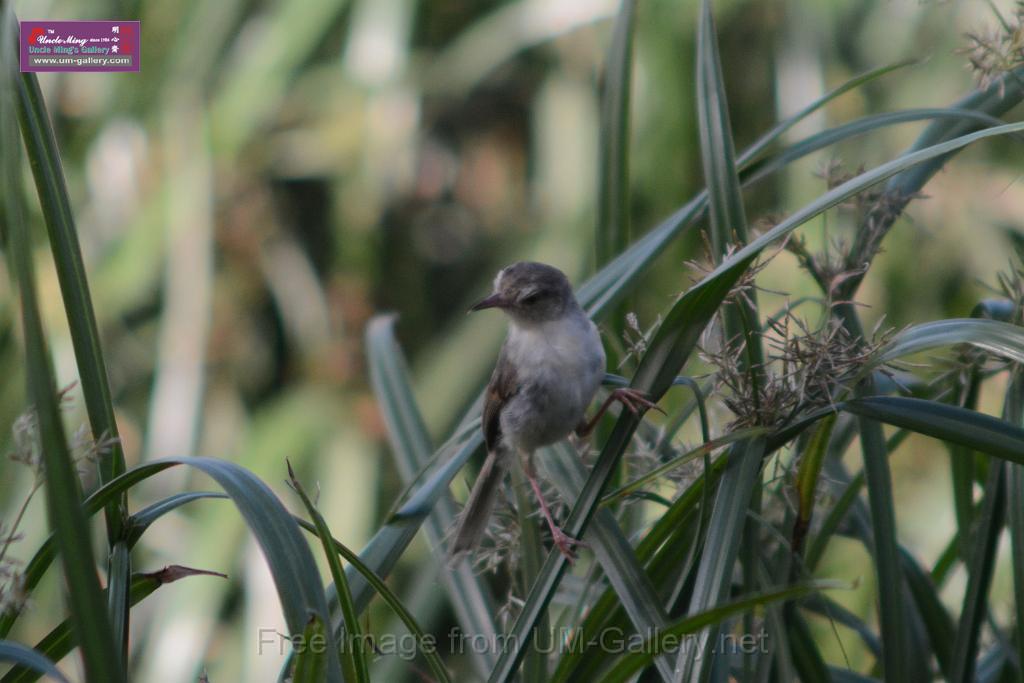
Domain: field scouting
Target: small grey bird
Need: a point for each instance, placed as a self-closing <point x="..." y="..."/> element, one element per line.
<point x="548" y="371"/>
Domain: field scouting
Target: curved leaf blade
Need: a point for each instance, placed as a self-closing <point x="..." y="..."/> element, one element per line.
<point x="949" y="423"/>
<point x="23" y="655"/>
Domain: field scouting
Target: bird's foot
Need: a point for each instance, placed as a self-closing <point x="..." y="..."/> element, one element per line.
<point x="634" y="400"/>
<point x="566" y="544"/>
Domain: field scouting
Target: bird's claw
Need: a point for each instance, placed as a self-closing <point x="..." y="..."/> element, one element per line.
<point x="634" y="399"/>
<point x="566" y="544"/>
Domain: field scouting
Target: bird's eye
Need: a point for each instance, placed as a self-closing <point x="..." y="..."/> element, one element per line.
<point x="532" y="299"/>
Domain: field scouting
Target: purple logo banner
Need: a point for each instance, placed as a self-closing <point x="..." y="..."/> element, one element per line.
<point x="80" y="45"/>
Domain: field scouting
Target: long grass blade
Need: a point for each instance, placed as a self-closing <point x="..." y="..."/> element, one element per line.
<point x="714" y="573"/>
<point x="948" y="423"/>
<point x="614" y="553"/>
<point x="936" y="620"/>
<point x="352" y="658"/>
<point x="376" y="583"/>
<point x="808" y="471"/>
<point x="1013" y="412"/>
<point x="609" y="284"/>
<point x="755" y="151"/>
<point x="849" y="188"/>
<point x="737" y="491"/>
<point x="669" y="639"/>
<point x="613" y="192"/>
<point x="658" y="551"/>
<point x="311" y="660"/>
<point x="86" y="600"/>
<point x="858" y="127"/>
<point x="119" y="583"/>
<point x="412" y="447"/>
<point x="74" y="286"/>
<point x="998" y="338"/>
<point x="981" y="566"/>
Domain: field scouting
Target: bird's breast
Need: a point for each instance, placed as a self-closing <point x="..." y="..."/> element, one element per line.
<point x="559" y="366"/>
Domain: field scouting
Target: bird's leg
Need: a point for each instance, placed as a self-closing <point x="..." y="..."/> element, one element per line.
<point x="634" y="400"/>
<point x="563" y="541"/>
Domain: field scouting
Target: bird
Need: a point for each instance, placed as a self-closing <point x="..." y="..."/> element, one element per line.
<point x="547" y="373"/>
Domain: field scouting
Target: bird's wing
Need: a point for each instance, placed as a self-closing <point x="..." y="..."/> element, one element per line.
<point x="502" y="387"/>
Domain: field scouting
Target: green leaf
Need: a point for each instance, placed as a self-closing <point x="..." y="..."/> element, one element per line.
<point x="807" y="659"/>
<point x="44" y="159"/>
<point x="287" y="554"/>
<point x="714" y="573"/>
<point x="613" y="551"/>
<point x="1013" y="412"/>
<point x="61" y="640"/>
<point x="312" y="649"/>
<point x="851" y="187"/>
<point x="139" y="522"/>
<point x="609" y="284"/>
<point x="531" y="549"/>
<point x="1001" y="95"/>
<point x="669" y="639"/>
<point x="833" y="611"/>
<point x="389" y="376"/>
<point x="949" y="423"/>
<point x="86" y="600"/>
<point x="718" y="156"/>
<point x="998" y="338"/>
<point x="899" y="661"/>
<point x="808" y="471"/>
<point x="389" y="543"/>
<point x="374" y="581"/>
<point x="831" y="523"/>
<point x="312" y="665"/>
<point x="728" y="217"/>
<point x="980" y="568"/>
<point x="936" y="620"/>
<point x="613" y="193"/>
<point x="660" y="471"/>
<point x="119" y="581"/>
<point x="755" y="151"/>
<point x="861" y="126"/>
<point x="17" y="653"/>
<point x="658" y="551"/>
<point x="41" y="560"/>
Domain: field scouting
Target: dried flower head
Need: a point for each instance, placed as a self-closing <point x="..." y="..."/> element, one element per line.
<point x="636" y="338"/>
<point x="839" y="268"/>
<point x="500" y="545"/>
<point x="996" y="52"/>
<point x="804" y="370"/>
<point x="747" y="283"/>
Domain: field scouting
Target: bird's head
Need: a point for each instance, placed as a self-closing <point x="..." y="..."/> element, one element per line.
<point x="530" y="293"/>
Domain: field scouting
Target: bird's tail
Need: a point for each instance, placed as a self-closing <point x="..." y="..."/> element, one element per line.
<point x="477" y="513"/>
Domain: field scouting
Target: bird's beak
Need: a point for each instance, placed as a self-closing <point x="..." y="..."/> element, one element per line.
<point x="493" y="301"/>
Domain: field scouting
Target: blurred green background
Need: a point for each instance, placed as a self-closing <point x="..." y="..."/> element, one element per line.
<point x="281" y="170"/>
